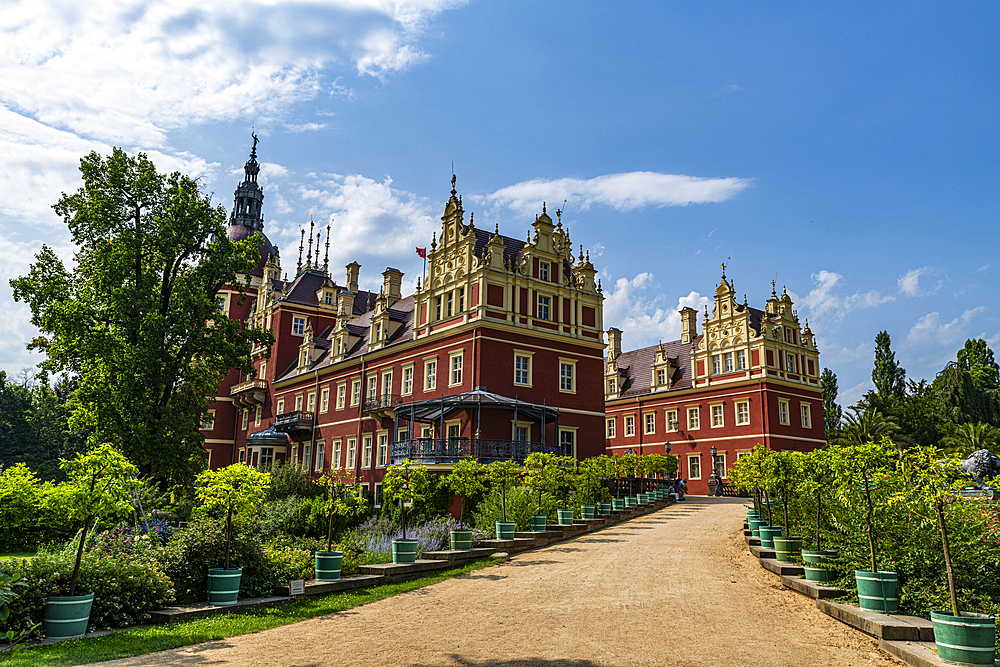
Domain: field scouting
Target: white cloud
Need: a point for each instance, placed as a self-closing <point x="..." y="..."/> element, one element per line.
<point x="909" y="283"/>
<point x="823" y="300"/>
<point x="851" y="395"/>
<point x="624" y="192"/>
<point x="643" y="313"/>
<point x="930" y="328"/>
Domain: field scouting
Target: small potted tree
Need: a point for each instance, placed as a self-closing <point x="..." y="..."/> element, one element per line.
<point x="784" y="472"/>
<point x="235" y="489"/>
<point x="545" y="475"/>
<point x="465" y="480"/>
<point x="502" y="475"/>
<point x="101" y="482"/>
<point x="862" y="469"/>
<point x="589" y="482"/>
<point x="933" y="484"/>
<point x="343" y="499"/>
<point x="405" y="483"/>
<point x="817" y="476"/>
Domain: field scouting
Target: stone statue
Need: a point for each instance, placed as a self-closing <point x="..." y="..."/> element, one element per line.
<point x="982" y="464"/>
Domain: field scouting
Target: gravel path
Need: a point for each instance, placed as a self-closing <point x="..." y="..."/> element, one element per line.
<point x="676" y="588"/>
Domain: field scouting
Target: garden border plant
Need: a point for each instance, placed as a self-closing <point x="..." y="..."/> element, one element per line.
<point x="405" y="482"/>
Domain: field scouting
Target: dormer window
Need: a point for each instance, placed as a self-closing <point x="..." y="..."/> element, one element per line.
<point x="661" y="377"/>
<point x="612" y="386"/>
<point x="328" y="298"/>
<point x="543" y="271"/>
<point x="378" y="332"/>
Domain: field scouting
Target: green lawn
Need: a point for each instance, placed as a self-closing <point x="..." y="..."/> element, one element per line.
<point x="147" y="639"/>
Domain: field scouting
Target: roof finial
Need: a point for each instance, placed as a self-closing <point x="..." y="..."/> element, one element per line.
<point x="326" y="254"/>
<point x="784" y="290"/>
<point x="472" y="219"/>
<point x="453" y="179"/>
<point x="298" y="267"/>
<point x="559" y="217"/>
<point x="253" y="151"/>
<point x="310" y="252"/>
<point x="496" y="229"/>
<point x="773" y="292"/>
<point x="543" y="207"/>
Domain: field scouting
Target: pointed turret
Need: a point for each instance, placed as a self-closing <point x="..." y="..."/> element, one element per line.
<point x="248" y="207"/>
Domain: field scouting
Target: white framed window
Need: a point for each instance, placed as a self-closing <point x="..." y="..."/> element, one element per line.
<point x="661" y="377"/>
<point x="461" y="299"/>
<point x="298" y="403"/>
<point x="377" y="499"/>
<point x="352" y="452"/>
<point x="612" y="386"/>
<point x="372" y="387"/>
<point x="246" y="419"/>
<point x="611" y="427"/>
<point x="387" y="383"/>
<point x="366" y="453"/>
<point x="257" y="415"/>
<point x="383" y="450"/>
<point x="694" y="466"/>
<point x="355" y="392"/>
<point x="783" y="412"/>
<point x="207" y="421"/>
<point x="312" y="402"/>
<point x="629" y="425"/>
<point x="521" y="431"/>
<point x="567" y="376"/>
<point x="672" y="423"/>
<point x="789" y="362"/>
<point x="298" y="326"/>
<point x="335" y="461"/>
<point x="408" y="380"/>
<point x="719" y="465"/>
<point x="402" y="434"/>
<point x="267" y="458"/>
<point x="741" y="360"/>
<point x="437" y="308"/>
<point x="716" y="364"/>
<point x="341" y="395"/>
<point x="430" y="375"/>
<point x="307" y="458"/>
<point x="544" y="303"/>
<point x="324" y="400"/>
<point x="742" y="413"/>
<point x="522" y="368"/>
<point x="456" y="369"/>
<point x="454" y="429"/>
<point x="649" y="423"/>
<point x="806" y="415"/>
<point x="543" y="271"/>
<point x="451" y="304"/>
<point x="567" y="442"/>
<point x="243" y="456"/>
<point x="263" y="370"/>
<point x="281" y="406"/>
<point x="718" y="419"/>
<point x="320" y="454"/>
<point x="727" y="362"/>
<point x="694" y="419"/>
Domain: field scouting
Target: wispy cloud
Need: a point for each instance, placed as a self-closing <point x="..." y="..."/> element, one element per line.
<point x="643" y="312"/>
<point x="930" y="328"/>
<point x="909" y="282"/>
<point x="823" y="300"/>
<point x="624" y="192"/>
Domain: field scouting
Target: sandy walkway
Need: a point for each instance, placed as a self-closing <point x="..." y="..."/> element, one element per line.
<point x="675" y="588"/>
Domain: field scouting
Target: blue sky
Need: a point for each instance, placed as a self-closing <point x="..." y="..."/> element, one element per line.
<point x="848" y="151"/>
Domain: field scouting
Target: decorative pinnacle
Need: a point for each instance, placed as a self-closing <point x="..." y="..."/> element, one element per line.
<point x="496" y="229"/>
<point x="309" y="254"/>
<point x="326" y="255"/>
<point x="453" y="180"/>
<point x="543" y="207"/>
<point x="773" y="293"/>
<point x="472" y="219"/>
<point x="559" y="216"/>
<point x="298" y="267"/>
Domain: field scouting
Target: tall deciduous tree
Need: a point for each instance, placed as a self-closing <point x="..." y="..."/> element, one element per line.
<point x="137" y="320"/>
<point x="832" y="412"/>
<point x="976" y="357"/>
<point x="887" y="375"/>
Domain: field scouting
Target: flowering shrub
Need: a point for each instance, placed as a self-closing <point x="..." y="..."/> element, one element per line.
<point x="374" y="537"/>
<point x="289" y="563"/>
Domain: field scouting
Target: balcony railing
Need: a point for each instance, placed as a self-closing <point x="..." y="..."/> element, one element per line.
<point x="297" y="420"/>
<point x="432" y="450"/>
<point x="383" y="402"/>
<point x="251" y="392"/>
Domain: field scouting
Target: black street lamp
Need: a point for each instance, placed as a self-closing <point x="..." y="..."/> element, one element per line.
<point x="666" y="448"/>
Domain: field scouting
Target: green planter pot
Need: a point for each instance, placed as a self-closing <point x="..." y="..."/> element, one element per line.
<point x="505" y="530"/>
<point x="877" y="591"/>
<point x="404" y="551"/>
<point x="461" y="539"/>
<point x="968" y="639"/>
<point x="224" y="585"/>
<point x="819" y="574"/>
<point x="617" y="504"/>
<point x="565" y="517"/>
<point x="538" y="523"/>
<point x="786" y="549"/>
<point x="767" y="535"/>
<point x="67" y="617"/>
<point x="815" y="564"/>
<point x="755" y="525"/>
<point x="328" y="564"/>
<point x="604" y="508"/>
<point x="587" y="511"/>
<point x="640" y="499"/>
<point x="631" y="501"/>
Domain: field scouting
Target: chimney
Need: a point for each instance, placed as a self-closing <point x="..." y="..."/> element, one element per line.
<point x="614" y="343"/>
<point x="345" y="307"/>
<point x="392" y="283"/>
<point x="353" y="269"/>
<point x="689" y="325"/>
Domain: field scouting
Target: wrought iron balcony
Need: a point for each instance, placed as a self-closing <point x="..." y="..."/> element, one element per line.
<point x="251" y="392"/>
<point x="383" y="402"/>
<point x="297" y="420"/>
<point x="450" y="450"/>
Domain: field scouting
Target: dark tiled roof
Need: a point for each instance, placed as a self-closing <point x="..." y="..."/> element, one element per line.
<point x="303" y="289"/>
<point x="637" y="367"/>
<point x="511" y="247"/>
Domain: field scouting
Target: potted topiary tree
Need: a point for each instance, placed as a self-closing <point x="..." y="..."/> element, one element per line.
<point x="343" y="499"/>
<point x="235" y="489"/>
<point x="466" y="480"/>
<point x="405" y="483"/>
<point x="817" y="476"/>
<point x="933" y="483"/>
<point x="101" y="483"/>
<point x="589" y="482"/>
<point x="784" y="471"/>
<point x="547" y="474"/>
<point x="503" y="474"/>
<point x="860" y="470"/>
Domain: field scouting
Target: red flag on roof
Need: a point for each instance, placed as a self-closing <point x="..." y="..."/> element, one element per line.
<point x="422" y="252"/>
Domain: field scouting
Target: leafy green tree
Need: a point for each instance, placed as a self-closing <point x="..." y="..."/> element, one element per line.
<point x="136" y="319"/>
<point x="967" y="438"/>
<point x="976" y="357"/>
<point x="466" y="480"/>
<point x="101" y="482"/>
<point x="502" y="475"/>
<point x="406" y="482"/>
<point x="864" y="424"/>
<point x="343" y="499"/>
<point x="589" y="481"/>
<point x="832" y="412"/>
<point x="548" y="473"/>
<point x="235" y="489"/>
<point x="782" y="473"/>
<point x="887" y="375"/>
<point x="857" y="469"/>
<point x="817" y="473"/>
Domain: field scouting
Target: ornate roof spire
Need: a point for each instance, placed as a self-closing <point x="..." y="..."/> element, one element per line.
<point x="298" y="267"/>
<point x="309" y="254"/>
<point x="453" y="180"/>
<point x="326" y="254"/>
<point x="248" y="200"/>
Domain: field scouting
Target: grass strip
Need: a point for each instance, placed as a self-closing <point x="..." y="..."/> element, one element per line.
<point x="148" y="639"/>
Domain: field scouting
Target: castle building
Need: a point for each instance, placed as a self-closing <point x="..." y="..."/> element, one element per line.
<point x="489" y="357"/>
<point x="750" y="377"/>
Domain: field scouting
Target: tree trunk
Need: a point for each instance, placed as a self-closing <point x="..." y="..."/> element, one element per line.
<point x="402" y="514"/>
<point x="870" y="519"/>
<point x="784" y="502"/>
<point x="767" y="498"/>
<point x="229" y="533"/>
<point x="329" y="532"/>
<point x="503" y="501"/>
<point x="79" y="555"/>
<point x="947" y="558"/>
<point x="819" y="505"/>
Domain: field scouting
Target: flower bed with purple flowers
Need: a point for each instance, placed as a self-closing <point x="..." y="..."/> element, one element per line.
<point x="374" y="537"/>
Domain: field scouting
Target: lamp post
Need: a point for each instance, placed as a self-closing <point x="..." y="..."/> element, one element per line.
<point x="715" y="470"/>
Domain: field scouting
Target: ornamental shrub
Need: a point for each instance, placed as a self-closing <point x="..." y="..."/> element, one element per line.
<point x="521" y="504"/>
<point x="32" y="512"/>
<point x="125" y="590"/>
